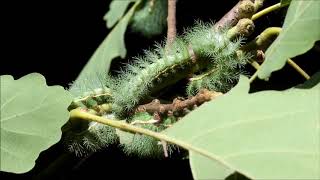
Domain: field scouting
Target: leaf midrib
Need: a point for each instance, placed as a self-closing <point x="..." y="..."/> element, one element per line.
<point x="41" y="105"/>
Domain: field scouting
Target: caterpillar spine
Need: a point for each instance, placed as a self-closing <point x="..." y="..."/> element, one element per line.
<point x="83" y="137"/>
<point x="150" y="74"/>
<point x="90" y="138"/>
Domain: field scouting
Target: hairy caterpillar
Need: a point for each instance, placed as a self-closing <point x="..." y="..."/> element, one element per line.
<point x="82" y="137"/>
<point x="225" y="65"/>
<point x="89" y="137"/>
<point x="202" y="50"/>
<point x="150" y="18"/>
<point x="92" y="99"/>
<point x="215" y="55"/>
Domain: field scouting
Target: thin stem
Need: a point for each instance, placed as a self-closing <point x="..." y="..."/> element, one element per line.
<point x="263" y="41"/>
<point x="289" y="61"/>
<point x="255" y="64"/>
<point x="78" y="114"/>
<point x="298" y="69"/>
<point x="267" y="10"/>
<point x="171" y="21"/>
<point x="253" y="77"/>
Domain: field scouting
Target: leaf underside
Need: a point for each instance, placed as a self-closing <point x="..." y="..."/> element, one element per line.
<point x="117" y="9"/>
<point x="264" y="135"/>
<point x="301" y="30"/>
<point x="31" y="117"/>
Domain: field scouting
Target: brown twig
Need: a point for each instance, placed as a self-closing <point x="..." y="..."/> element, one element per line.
<point x="171" y="20"/>
<point x="178" y="105"/>
<point x="243" y="9"/>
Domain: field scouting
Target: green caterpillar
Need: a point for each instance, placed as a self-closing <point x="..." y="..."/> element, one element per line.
<point x="82" y="137"/>
<point x="92" y="99"/>
<point x="215" y="55"/>
<point x="202" y="51"/>
<point x="85" y="138"/>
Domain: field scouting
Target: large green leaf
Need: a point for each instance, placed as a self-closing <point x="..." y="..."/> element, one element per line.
<point x="117" y="9"/>
<point x="301" y="30"/>
<point x="31" y="117"/>
<point x="264" y="135"/>
<point x="112" y="47"/>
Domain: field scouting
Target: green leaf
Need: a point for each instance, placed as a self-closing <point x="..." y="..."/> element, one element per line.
<point x="31" y="117"/>
<point x="204" y="168"/>
<point x="301" y="30"/>
<point x="117" y="9"/>
<point x="150" y="19"/>
<point x="264" y="135"/>
<point x="285" y="2"/>
<point x="112" y="47"/>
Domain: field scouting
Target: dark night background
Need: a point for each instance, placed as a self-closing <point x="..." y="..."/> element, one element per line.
<point x="56" y="38"/>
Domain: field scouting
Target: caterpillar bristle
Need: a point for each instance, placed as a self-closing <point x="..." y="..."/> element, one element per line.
<point x="217" y="66"/>
<point x="165" y="65"/>
<point x="91" y="139"/>
<point x="88" y="84"/>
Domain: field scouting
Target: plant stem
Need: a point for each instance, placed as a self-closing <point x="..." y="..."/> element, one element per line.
<point x="243" y="9"/>
<point x="298" y="68"/>
<point x="78" y="114"/>
<point x="253" y="77"/>
<point x="262" y="42"/>
<point x="289" y="61"/>
<point x="171" y="21"/>
<point x="255" y="64"/>
<point x="267" y="10"/>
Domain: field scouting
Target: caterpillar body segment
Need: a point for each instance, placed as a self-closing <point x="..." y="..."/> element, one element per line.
<point x="202" y="49"/>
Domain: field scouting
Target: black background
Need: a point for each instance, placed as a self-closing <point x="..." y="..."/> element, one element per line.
<point x="57" y="37"/>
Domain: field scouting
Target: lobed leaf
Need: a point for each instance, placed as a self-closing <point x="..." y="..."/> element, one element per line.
<point x="31" y="117"/>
